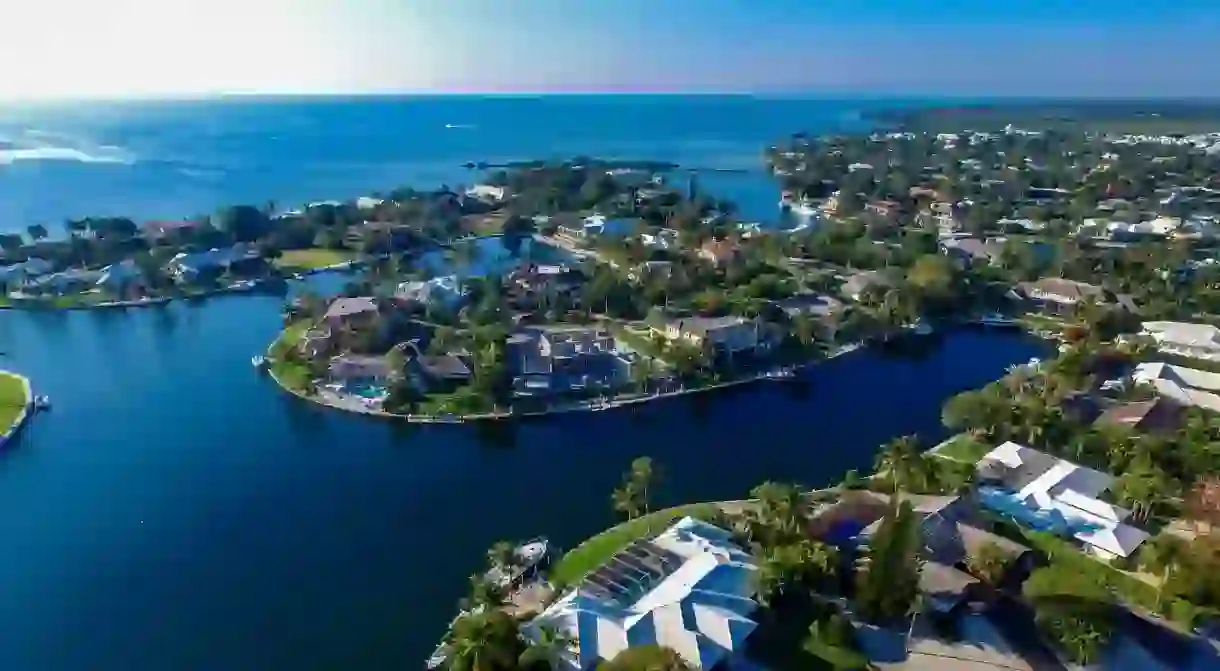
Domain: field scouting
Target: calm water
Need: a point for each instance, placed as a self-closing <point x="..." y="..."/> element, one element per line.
<point x="176" y="511"/>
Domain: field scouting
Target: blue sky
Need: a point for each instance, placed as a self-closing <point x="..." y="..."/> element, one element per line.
<point x="963" y="47"/>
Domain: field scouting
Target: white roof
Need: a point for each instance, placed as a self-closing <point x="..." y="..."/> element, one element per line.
<point x="701" y="610"/>
<point x="1185" y="385"/>
<point x="1184" y="335"/>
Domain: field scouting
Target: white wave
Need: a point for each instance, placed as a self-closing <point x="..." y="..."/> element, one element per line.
<point x="460" y="126"/>
<point x="41" y="145"/>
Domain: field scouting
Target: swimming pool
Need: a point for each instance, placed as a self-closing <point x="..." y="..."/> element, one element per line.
<point x="363" y="390"/>
<point x="1007" y="503"/>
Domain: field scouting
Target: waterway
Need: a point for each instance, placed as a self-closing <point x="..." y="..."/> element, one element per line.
<point x="177" y="511"/>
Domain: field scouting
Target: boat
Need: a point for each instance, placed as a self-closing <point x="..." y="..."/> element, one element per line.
<point x="42" y="402"/>
<point x="780" y="374"/>
<point x="996" y="319"/>
<point x="258" y="361"/>
<point x="532" y="557"/>
<point x="922" y="328"/>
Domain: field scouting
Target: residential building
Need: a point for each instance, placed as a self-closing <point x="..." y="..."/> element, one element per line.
<point x="63" y="283"/>
<point x="368" y="203"/>
<point x="122" y="278"/>
<point x="1187" y="386"/>
<point x="446" y="291"/>
<point x="729" y="335"/>
<point x="546" y="278"/>
<point x="1160" y="415"/>
<point x="718" y="252"/>
<point x="855" y="285"/>
<point x="883" y="208"/>
<point x="189" y="267"/>
<point x="20" y="274"/>
<point x="595" y="226"/>
<point x="439" y="372"/>
<point x="664" y="238"/>
<point x="691" y="589"/>
<point x="544" y="361"/>
<point x="354" y="368"/>
<point x="820" y="306"/>
<point x="316" y="342"/>
<point x="1049" y="493"/>
<point x="650" y="269"/>
<point x="1061" y="295"/>
<point x="971" y="251"/>
<point x="1197" y="341"/>
<point x="351" y="312"/>
<point x="160" y="229"/>
<point x="487" y="193"/>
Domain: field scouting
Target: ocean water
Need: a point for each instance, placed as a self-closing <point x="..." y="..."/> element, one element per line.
<point x="181" y="158"/>
<point x="178" y="511"/>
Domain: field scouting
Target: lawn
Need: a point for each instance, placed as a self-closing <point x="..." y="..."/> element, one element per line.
<point x="962" y="447"/>
<point x="597" y="550"/>
<point x="313" y="258"/>
<point x="291" y="373"/>
<point x="12" y="400"/>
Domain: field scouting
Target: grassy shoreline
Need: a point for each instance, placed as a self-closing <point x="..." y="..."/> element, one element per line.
<point x="15" y="399"/>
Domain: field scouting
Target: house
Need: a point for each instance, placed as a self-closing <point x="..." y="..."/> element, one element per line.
<point x="1196" y="341"/>
<point x="649" y="269"/>
<point x="1160" y="415"/>
<point x="725" y="334"/>
<point x="566" y="360"/>
<point x="718" y="252"/>
<point x="354" y="368"/>
<point x="856" y="285"/>
<point x="819" y="306"/>
<point x="487" y="193"/>
<point x="664" y="238"/>
<point x="1187" y="386"/>
<point x="445" y="291"/>
<point x="544" y="278"/>
<point x="595" y="226"/>
<point x="368" y="203"/>
<point x="971" y="251"/>
<point x="351" y="311"/>
<point x="187" y="267"/>
<point x="160" y="229"/>
<point x="1053" y="494"/>
<point x="316" y="342"/>
<point x="20" y="274"/>
<point x="883" y="208"/>
<point x="63" y="283"/>
<point x="439" y="372"/>
<point x="691" y="589"/>
<point x="1057" y="294"/>
<point x="121" y="278"/>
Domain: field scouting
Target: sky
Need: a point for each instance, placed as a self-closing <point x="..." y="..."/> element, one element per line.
<point x="153" y="48"/>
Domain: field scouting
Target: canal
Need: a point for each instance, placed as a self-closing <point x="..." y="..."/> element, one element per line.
<point x="177" y="511"/>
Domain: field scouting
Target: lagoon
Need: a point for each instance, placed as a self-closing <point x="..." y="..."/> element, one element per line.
<point x="176" y="510"/>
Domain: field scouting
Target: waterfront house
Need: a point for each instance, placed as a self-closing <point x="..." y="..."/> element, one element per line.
<point x="196" y="266"/>
<point x="1052" y="494"/>
<point x="825" y="309"/>
<point x="728" y="335"/>
<point x="21" y="274"/>
<point x="596" y="226"/>
<point x="546" y="278"/>
<point x="316" y="342"/>
<point x="487" y="193"/>
<point x="359" y="369"/>
<point x="64" y="283"/>
<point x="122" y="278"/>
<point x="718" y="252"/>
<point x="1187" y="386"/>
<point x="855" y="286"/>
<point x="1056" y="294"/>
<point x="160" y="229"/>
<point x="439" y="372"/>
<point x="1160" y="415"/>
<point x="1196" y="341"/>
<point x="444" y="292"/>
<point x="691" y="589"/>
<point x="566" y="360"/>
<point x="352" y="312"/>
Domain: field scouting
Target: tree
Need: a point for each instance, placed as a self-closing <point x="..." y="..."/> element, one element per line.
<point x="647" y="658"/>
<point x="483" y="594"/>
<point x="1162" y="554"/>
<point x="1203" y="501"/>
<point x="502" y="555"/>
<point x="803" y="564"/>
<point x="631" y="498"/>
<point x="901" y="462"/>
<point x="888" y="583"/>
<point x="37" y="232"/>
<point x="547" y="648"/>
<point x="1140" y="487"/>
<point x="832" y="640"/>
<point x="779" y="517"/>
<point x="488" y="640"/>
<point x="989" y="563"/>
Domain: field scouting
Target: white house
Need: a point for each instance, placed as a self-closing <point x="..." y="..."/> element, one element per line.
<point x="487" y="193"/>
<point x="368" y="203"/>
<point x="691" y="589"/>
<point x="1188" y="386"/>
<point x="1199" y="341"/>
<point x="727" y="334"/>
<point x="1047" y="492"/>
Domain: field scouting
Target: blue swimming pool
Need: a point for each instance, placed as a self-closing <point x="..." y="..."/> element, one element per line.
<point x="366" y="390"/>
<point x="1007" y="503"/>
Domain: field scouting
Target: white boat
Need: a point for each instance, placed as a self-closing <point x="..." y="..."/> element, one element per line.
<point x="257" y="361"/>
<point x="922" y="328"/>
<point x="42" y="402"/>
<point x="996" y="319"/>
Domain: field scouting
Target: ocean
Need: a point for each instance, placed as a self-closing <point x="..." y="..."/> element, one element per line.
<point x="177" y="511"/>
<point x="166" y="159"/>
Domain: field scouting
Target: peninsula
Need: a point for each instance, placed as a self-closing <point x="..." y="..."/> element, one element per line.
<point x="16" y="404"/>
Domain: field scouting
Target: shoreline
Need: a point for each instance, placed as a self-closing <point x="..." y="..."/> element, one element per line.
<point x="581" y="406"/>
<point x="27" y="411"/>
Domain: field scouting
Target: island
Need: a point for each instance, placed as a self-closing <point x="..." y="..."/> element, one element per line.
<point x="16" y="405"/>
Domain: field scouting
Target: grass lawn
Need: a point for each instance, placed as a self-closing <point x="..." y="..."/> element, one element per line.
<point x="597" y="550"/>
<point x="293" y="374"/>
<point x="310" y="259"/>
<point x="12" y="400"/>
<point x="962" y="447"/>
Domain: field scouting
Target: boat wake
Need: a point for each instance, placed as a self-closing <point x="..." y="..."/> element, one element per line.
<point x="460" y="126"/>
<point x="38" y="145"/>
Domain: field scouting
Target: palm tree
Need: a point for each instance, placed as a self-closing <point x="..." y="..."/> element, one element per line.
<point x="502" y="555"/>
<point x="901" y="461"/>
<point x="1164" y="554"/>
<point x="484" y="641"/>
<point x="547" y="648"/>
<point x="483" y="595"/>
<point x="989" y="564"/>
<point x="805" y="563"/>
